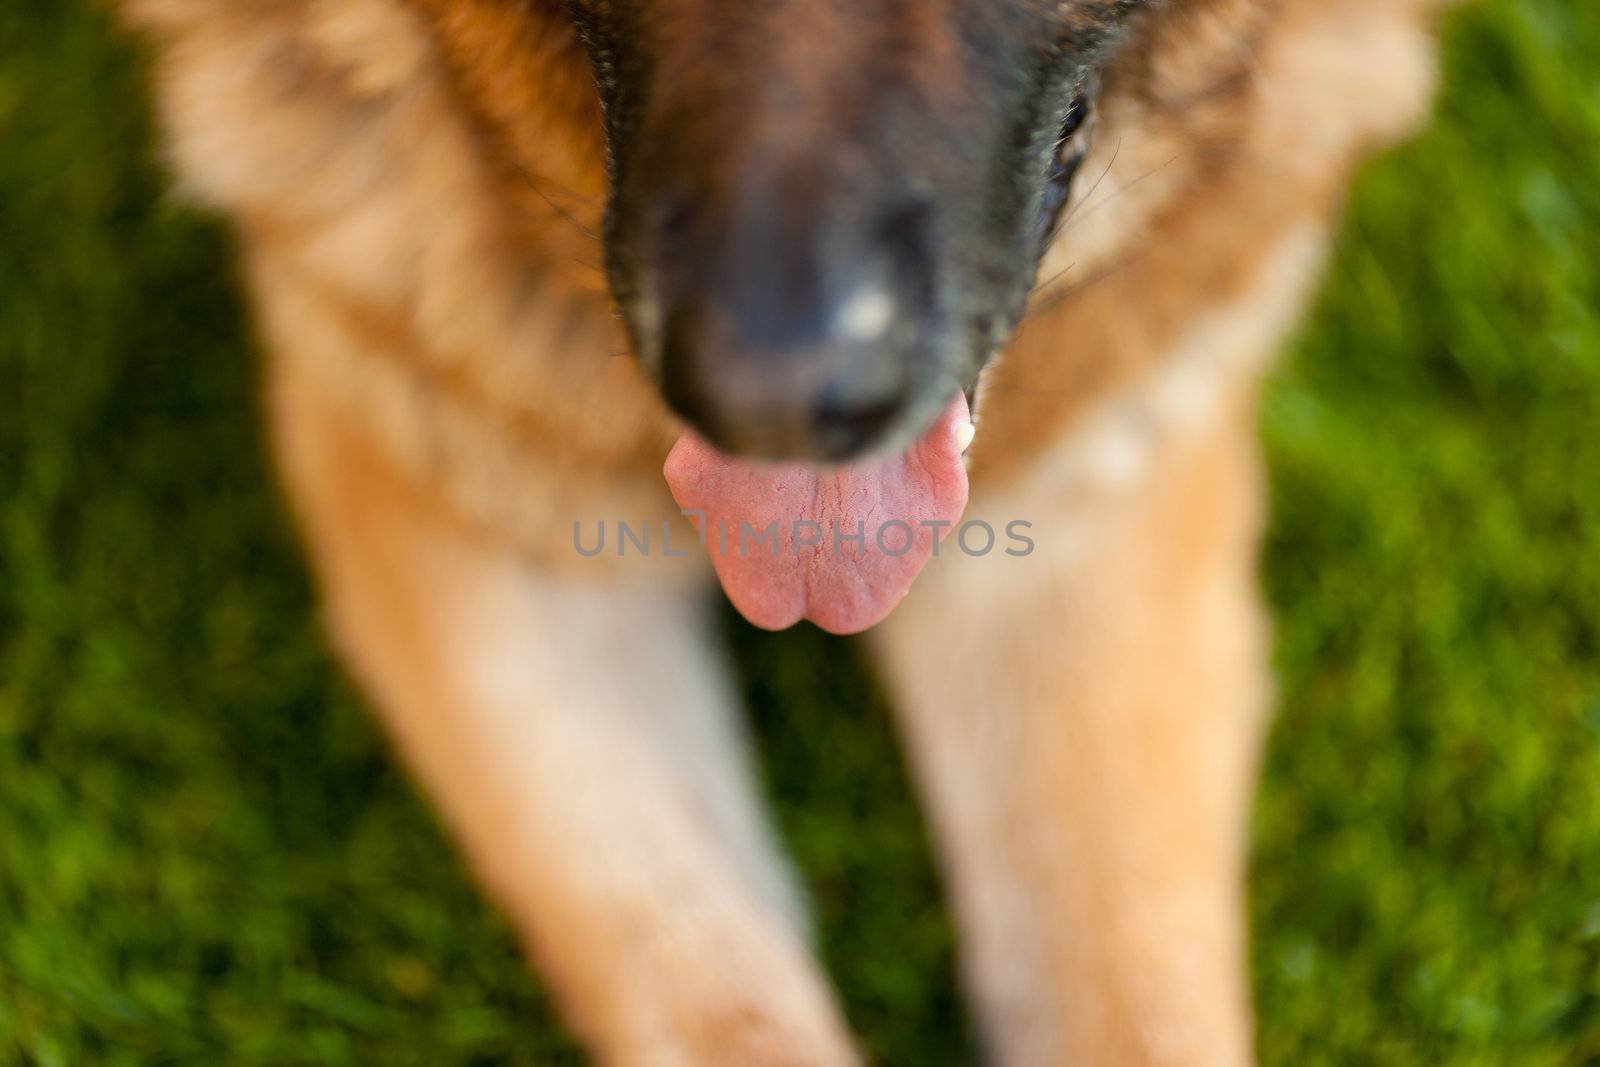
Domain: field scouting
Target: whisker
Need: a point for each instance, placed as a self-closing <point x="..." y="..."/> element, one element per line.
<point x="566" y="191"/>
<point x="537" y="182"/>
<point x="1057" y="276"/>
<point x="1073" y="290"/>
<point x="564" y="213"/>
<point x="1152" y="172"/>
<point x="1077" y="216"/>
<point x="1087" y="196"/>
<point x="1059" y="297"/>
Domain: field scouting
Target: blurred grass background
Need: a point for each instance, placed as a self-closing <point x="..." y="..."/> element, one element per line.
<point x="207" y="855"/>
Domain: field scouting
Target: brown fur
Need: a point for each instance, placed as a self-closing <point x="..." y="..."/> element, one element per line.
<point x="418" y="184"/>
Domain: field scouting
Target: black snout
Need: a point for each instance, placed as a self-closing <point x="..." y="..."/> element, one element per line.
<point x="824" y="215"/>
<point x="795" y="333"/>
<point x="833" y="402"/>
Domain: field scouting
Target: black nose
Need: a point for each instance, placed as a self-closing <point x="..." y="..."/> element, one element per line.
<point x="790" y="334"/>
<point x="825" y="393"/>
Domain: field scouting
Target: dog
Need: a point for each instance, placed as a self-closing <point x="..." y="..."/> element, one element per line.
<point x="783" y="268"/>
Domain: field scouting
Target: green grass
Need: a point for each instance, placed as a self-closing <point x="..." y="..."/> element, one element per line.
<point x="208" y="856"/>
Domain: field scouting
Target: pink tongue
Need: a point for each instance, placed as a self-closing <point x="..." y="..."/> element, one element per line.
<point x="837" y="545"/>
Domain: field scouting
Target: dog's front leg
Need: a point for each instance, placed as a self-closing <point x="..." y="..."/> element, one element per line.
<point x="580" y="740"/>
<point x="1083" y="724"/>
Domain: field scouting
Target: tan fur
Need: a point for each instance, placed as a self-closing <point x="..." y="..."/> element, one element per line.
<point x="417" y="184"/>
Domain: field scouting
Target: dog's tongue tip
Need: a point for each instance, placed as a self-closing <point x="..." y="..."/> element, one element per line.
<point x="838" y="546"/>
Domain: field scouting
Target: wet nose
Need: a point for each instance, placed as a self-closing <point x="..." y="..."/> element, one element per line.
<point x="830" y="392"/>
<point x="793" y="340"/>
